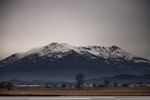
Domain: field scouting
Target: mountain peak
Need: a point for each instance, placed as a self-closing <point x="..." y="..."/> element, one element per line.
<point x="60" y="47"/>
<point x="113" y="52"/>
<point x="115" y="47"/>
<point x="54" y="43"/>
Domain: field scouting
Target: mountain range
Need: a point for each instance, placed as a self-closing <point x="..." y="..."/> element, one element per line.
<point x="61" y="61"/>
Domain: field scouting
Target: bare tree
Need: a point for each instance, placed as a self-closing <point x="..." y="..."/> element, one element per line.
<point x="106" y="82"/>
<point x="79" y="80"/>
<point x="9" y="85"/>
<point x="115" y="84"/>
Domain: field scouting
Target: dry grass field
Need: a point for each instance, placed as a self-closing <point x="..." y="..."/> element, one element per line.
<point x="103" y="91"/>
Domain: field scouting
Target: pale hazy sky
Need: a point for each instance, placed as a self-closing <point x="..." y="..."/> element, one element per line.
<point x="26" y="24"/>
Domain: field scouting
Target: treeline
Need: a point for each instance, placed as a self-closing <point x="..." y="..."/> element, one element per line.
<point x="80" y="82"/>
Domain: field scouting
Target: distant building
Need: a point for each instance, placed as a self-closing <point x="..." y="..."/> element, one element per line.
<point x="28" y="85"/>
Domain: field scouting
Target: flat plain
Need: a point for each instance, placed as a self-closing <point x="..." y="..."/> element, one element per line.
<point x="101" y="91"/>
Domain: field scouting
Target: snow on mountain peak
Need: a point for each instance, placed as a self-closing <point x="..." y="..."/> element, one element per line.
<point x="99" y="51"/>
<point x="61" y="47"/>
<point x="108" y="52"/>
<point x="47" y="50"/>
<point x="57" y="47"/>
<point x="117" y="52"/>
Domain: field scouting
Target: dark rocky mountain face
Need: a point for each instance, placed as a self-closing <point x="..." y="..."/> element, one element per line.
<point x="62" y="62"/>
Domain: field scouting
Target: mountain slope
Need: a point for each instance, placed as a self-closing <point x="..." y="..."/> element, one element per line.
<point x="62" y="61"/>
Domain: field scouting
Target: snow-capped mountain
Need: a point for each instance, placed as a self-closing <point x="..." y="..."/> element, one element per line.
<point x="112" y="52"/>
<point x="62" y="58"/>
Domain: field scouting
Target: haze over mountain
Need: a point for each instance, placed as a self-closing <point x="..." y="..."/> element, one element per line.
<point x="61" y="61"/>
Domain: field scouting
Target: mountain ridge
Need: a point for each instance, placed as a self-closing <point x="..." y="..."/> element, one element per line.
<point x="100" y="51"/>
<point x="63" y="61"/>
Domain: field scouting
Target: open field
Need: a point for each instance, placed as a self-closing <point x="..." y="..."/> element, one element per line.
<point x="103" y="91"/>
